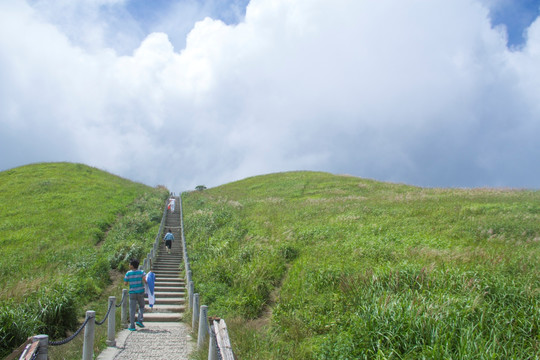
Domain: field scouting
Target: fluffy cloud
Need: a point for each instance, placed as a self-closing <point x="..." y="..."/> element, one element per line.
<point x="412" y="91"/>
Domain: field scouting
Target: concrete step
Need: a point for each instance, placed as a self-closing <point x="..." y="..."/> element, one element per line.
<point x="180" y="288"/>
<point x="167" y="294"/>
<point x="162" y="317"/>
<point x="164" y="308"/>
<point x="169" y="301"/>
<point x="168" y="273"/>
<point x="167" y="262"/>
<point x="174" y="283"/>
<point x="167" y="269"/>
<point x="169" y="258"/>
<point x="157" y="268"/>
<point x="163" y="256"/>
<point x="167" y="276"/>
<point x="170" y="282"/>
<point x="174" y="274"/>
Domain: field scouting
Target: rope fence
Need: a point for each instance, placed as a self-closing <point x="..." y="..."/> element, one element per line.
<point x="37" y="346"/>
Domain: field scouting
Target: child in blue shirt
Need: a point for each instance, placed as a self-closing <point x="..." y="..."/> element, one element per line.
<point x="136" y="279"/>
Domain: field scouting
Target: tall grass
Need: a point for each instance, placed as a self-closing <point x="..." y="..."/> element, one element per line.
<point x="63" y="228"/>
<point x="317" y="266"/>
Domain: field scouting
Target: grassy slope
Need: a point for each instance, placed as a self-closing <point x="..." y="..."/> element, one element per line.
<point x="62" y="227"/>
<point x="354" y="268"/>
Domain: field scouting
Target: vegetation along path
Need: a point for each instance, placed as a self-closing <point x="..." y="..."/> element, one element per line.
<point x="164" y="335"/>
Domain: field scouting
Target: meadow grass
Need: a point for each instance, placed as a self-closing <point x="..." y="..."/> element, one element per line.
<point x="64" y="230"/>
<point x="317" y="266"/>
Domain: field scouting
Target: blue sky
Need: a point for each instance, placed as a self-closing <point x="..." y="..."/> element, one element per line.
<point x="148" y="12"/>
<point x="516" y="15"/>
<point x="181" y="93"/>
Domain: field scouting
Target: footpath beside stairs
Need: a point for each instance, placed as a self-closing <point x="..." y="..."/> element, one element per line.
<point x="170" y="287"/>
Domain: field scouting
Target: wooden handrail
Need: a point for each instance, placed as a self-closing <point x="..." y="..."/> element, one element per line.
<point x="18" y="351"/>
<point x="223" y="341"/>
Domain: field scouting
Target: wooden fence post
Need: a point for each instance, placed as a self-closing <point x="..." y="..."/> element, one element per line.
<point x="88" y="345"/>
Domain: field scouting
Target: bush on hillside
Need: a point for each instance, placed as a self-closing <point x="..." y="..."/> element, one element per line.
<point x="49" y="311"/>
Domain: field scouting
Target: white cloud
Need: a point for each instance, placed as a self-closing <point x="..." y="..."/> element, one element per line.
<point x="410" y="91"/>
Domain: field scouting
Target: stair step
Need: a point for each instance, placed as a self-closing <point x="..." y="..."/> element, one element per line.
<point x="167" y="308"/>
<point x="162" y="317"/>
<point x="169" y="288"/>
<point x="167" y="273"/>
<point x="167" y="294"/>
<point x="170" y="282"/>
<point x="167" y="265"/>
<point x="175" y="284"/>
<point x="176" y="272"/>
<point x="160" y="280"/>
<point x="169" y="301"/>
<point x="172" y="271"/>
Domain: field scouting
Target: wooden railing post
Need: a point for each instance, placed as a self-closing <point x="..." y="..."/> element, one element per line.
<point x="88" y="345"/>
<point x="111" y="323"/>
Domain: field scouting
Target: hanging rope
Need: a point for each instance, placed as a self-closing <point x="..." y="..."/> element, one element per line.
<point x="106" y="316"/>
<point x="65" y="341"/>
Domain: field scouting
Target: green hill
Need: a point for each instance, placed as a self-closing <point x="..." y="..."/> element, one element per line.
<point x="63" y="227"/>
<point x="307" y="265"/>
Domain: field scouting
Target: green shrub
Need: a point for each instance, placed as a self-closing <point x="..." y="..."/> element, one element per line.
<point x="17" y="323"/>
<point x="57" y="309"/>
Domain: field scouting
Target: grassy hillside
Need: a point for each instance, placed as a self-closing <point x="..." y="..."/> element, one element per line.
<point x="315" y="266"/>
<point x="63" y="227"/>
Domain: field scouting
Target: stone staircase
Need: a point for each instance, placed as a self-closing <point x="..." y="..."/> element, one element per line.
<point x="170" y="287"/>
